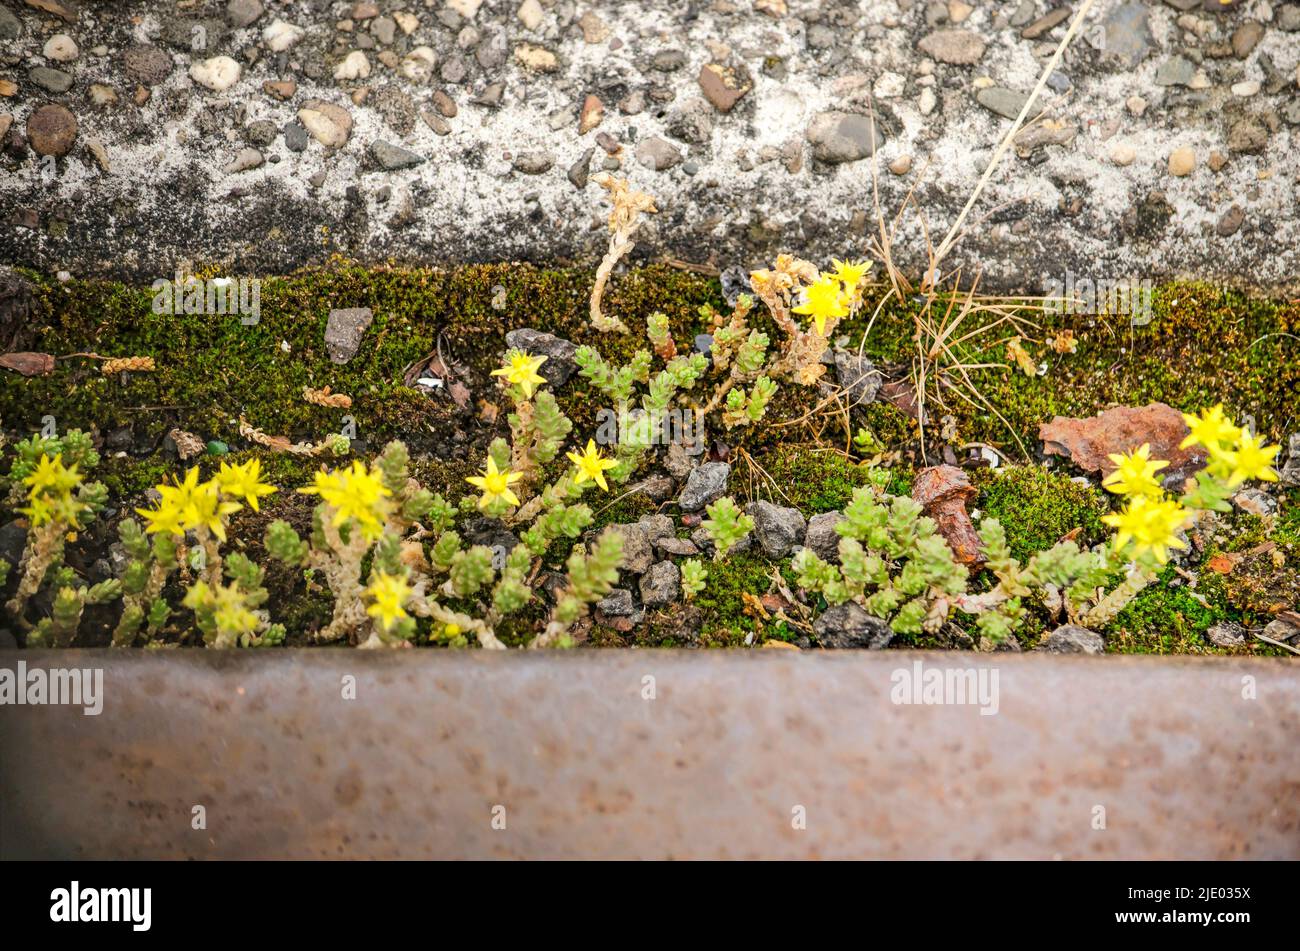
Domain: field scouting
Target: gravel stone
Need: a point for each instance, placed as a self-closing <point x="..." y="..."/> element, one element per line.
<point x="559" y="353"/>
<point x="705" y="485"/>
<point x="779" y="529"/>
<point x="1071" y="639"/>
<point x="661" y="585"/>
<point x="344" y="330"/>
<point x="822" y="539"/>
<point x="847" y="625"/>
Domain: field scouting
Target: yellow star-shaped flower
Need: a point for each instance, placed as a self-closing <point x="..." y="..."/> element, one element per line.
<point x="52" y="476"/>
<point x="206" y="509"/>
<point x="1212" y="429"/>
<point x="1250" y="460"/>
<point x="824" y="300"/>
<point x="521" y="370"/>
<point x="243" y="482"/>
<point x="494" y="484"/>
<point x="357" y="493"/>
<point x="591" y="465"/>
<point x="850" y="273"/>
<point x="388" y="595"/>
<point x="1135" y="473"/>
<point x="1151" y="524"/>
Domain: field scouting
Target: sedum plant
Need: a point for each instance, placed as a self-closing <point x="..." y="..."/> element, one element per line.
<point x="203" y="509"/>
<point x="893" y="563"/>
<point x="227" y="613"/>
<point x="50" y="474"/>
<point x="363" y="509"/>
<point x="726" y="526"/>
<point x="694" y="574"/>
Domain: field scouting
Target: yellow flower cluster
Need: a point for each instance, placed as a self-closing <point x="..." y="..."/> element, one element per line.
<point x="357" y="494"/>
<point x="230" y="615"/>
<point x="833" y="295"/>
<point x="49" y="492"/>
<point x="190" y="504"/>
<point x="1235" y="455"/>
<point x="1151" y="523"/>
<point x="388" y="595"/>
<point x="1151" y="520"/>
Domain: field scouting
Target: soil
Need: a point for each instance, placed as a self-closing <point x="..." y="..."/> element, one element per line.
<point x="1203" y="345"/>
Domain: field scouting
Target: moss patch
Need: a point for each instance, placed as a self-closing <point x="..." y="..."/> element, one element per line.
<point x="1039" y="507"/>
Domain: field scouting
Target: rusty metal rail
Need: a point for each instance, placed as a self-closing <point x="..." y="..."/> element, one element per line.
<point x="716" y="755"/>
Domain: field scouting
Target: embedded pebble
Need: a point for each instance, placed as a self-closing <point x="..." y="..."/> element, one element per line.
<point x="61" y="48"/>
<point x="51" y="130"/>
<point x="218" y="73"/>
<point x="1182" y="162"/>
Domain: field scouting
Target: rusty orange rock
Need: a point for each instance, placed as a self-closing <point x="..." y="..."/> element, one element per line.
<point x="942" y="492"/>
<point x="1089" y="442"/>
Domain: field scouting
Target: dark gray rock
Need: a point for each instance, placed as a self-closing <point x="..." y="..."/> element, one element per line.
<point x="1071" y="639"/>
<point x="1226" y="634"/>
<point x="839" y="137"/>
<point x="10" y="26"/>
<point x="1175" y="71"/>
<point x="681" y="547"/>
<point x="1005" y="102"/>
<point x="1127" y="34"/>
<point x="559" y="365"/>
<point x="661" y="585"/>
<point x="849" y="626"/>
<point x="295" y="136"/>
<point x="859" y="377"/>
<point x="618" y="603"/>
<point x="705" y="484"/>
<point x="778" y="528"/>
<point x="1290" y="471"/>
<point x="822" y="539"/>
<point x="491" y="533"/>
<point x="578" y="172"/>
<point x="639" y="540"/>
<point x="50" y="79"/>
<point x="344" y="330"/>
<point x="658" y="154"/>
<point x="392" y="157"/>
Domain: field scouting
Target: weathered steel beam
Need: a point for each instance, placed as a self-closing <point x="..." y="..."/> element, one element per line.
<point x="653" y="754"/>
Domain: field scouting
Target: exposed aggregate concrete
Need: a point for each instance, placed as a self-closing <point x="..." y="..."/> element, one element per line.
<point x="260" y="136"/>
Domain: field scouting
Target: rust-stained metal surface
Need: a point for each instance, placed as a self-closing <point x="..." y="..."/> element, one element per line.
<point x="569" y="750"/>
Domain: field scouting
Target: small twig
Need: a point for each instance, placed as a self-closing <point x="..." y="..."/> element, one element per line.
<point x="1269" y="640"/>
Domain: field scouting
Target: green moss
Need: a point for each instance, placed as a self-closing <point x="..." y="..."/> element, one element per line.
<point x="1164" y="620"/>
<point x="722" y="600"/>
<point x="817" y="479"/>
<point x="1203" y="345"/>
<point x="1039" y="507"/>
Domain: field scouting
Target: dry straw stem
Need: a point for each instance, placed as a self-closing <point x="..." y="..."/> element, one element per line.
<point x="624" y="218"/>
<point x="323" y="397"/>
<point x="123" y="364"/>
<point x="955" y="231"/>
<point x="945" y="331"/>
<point x="281" y="443"/>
